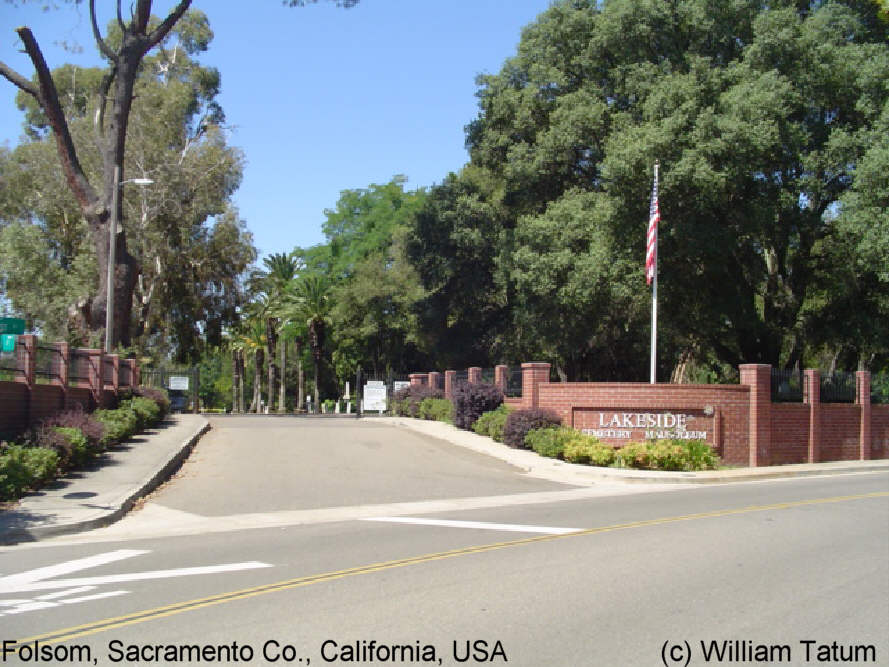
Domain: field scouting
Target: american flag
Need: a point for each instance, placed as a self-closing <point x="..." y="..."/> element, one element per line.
<point x="654" y="217"/>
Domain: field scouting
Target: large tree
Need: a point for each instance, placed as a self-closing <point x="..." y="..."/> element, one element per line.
<point x="138" y="36"/>
<point x="764" y="117"/>
<point x="190" y="246"/>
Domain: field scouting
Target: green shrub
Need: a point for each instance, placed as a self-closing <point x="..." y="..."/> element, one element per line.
<point x="119" y="424"/>
<point x="549" y="441"/>
<point x="436" y="409"/>
<point x="24" y="468"/>
<point x="472" y="400"/>
<point x="80" y="449"/>
<point x="406" y="402"/>
<point x="148" y="412"/>
<point x="520" y="422"/>
<point x="587" y="449"/>
<point x="159" y="396"/>
<point x="491" y="423"/>
<point x="683" y="455"/>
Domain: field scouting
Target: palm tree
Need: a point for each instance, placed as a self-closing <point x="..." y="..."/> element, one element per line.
<point x="312" y="303"/>
<point x="280" y="271"/>
<point x="253" y="339"/>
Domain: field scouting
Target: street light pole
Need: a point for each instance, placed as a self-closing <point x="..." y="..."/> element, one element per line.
<point x="112" y="252"/>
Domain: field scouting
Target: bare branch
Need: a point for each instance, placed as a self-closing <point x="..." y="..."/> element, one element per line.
<point x="123" y="27"/>
<point x="48" y="98"/>
<point x="143" y="13"/>
<point x="18" y="80"/>
<point x="103" y="47"/>
<point x="164" y="28"/>
<point x="102" y="101"/>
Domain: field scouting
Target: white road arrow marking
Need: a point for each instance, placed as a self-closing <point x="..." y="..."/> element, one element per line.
<point x="483" y="525"/>
<point x="41" y="579"/>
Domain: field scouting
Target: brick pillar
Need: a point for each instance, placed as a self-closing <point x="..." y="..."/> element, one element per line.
<point x="418" y="379"/>
<point x="64" y="358"/>
<point x="94" y="363"/>
<point x="435" y="379"/>
<point x="450" y="380"/>
<point x="862" y="398"/>
<point x="533" y="374"/>
<point x="475" y="375"/>
<point x="27" y="360"/>
<point x="812" y="397"/>
<point x="501" y="373"/>
<point x="759" y="378"/>
<point x="130" y="365"/>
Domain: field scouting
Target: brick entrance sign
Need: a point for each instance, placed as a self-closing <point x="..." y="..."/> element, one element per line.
<point x="741" y="421"/>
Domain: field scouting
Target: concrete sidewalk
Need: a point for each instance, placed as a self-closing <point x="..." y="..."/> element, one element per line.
<point x="104" y="492"/>
<point x="584" y="475"/>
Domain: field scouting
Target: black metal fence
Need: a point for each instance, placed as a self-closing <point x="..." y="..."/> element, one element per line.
<point x="879" y="388"/>
<point x="514" y="382"/>
<point x="181" y="385"/>
<point x="787" y="386"/>
<point x="838" y="387"/>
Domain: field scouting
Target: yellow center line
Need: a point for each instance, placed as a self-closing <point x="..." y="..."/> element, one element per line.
<point x="231" y="596"/>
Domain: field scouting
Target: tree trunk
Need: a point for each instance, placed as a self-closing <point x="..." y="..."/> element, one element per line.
<point x="241" y="380"/>
<point x="236" y="380"/>
<point x="271" y="337"/>
<point x="259" y="357"/>
<point x="317" y="381"/>
<point x="300" y="378"/>
<point x="282" y="404"/>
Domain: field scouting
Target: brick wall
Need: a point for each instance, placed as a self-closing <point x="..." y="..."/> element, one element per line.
<point x="840" y="425"/>
<point x="27" y="400"/>
<point x="790" y="433"/>
<point x="13" y="397"/>
<point x="585" y="405"/>
<point x="880" y="431"/>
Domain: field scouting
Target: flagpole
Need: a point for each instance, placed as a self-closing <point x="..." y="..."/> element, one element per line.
<point x="654" y="327"/>
<point x="654" y="303"/>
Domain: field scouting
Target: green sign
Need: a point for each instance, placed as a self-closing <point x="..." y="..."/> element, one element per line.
<point x="12" y="325"/>
<point x="7" y="342"/>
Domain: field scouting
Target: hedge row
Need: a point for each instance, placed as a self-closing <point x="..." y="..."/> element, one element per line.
<point x="480" y="407"/>
<point x="72" y="438"/>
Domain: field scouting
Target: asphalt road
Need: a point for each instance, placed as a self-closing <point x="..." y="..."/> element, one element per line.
<point x="302" y="542"/>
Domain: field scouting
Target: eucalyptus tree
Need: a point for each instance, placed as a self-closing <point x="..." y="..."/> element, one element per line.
<point x="189" y="244"/>
<point x="96" y="196"/>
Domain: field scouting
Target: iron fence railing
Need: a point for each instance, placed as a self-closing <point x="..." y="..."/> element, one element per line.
<point x="787" y="386"/>
<point x="461" y="376"/>
<point x="10" y="365"/>
<point x="838" y="387"/>
<point x="125" y="375"/>
<point x="48" y="363"/>
<point x="488" y="375"/>
<point x="514" y="383"/>
<point x="879" y="388"/>
<point x="107" y="371"/>
<point x="78" y="367"/>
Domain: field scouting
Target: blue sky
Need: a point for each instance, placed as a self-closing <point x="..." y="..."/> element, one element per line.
<point x="321" y="99"/>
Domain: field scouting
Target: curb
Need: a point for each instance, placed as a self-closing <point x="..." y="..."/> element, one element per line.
<point x="572" y="473"/>
<point x="144" y="487"/>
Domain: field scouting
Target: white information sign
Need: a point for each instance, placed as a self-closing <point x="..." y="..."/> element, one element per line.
<point x="400" y="384"/>
<point x="178" y="382"/>
<point x="375" y="396"/>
